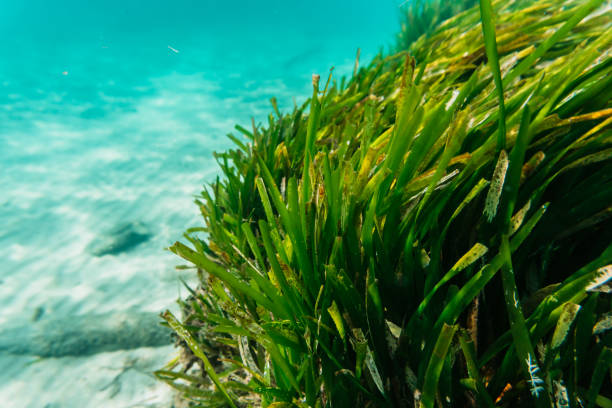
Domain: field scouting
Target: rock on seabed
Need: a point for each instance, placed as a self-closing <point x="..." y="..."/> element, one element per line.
<point x="121" y="238"/>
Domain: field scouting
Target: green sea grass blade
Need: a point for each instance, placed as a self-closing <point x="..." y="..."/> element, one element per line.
<point x="292" y="222"/>
<point x="337" y="318"/>
<point x="197" y="395"/>
<point x="603" y="402"/>
<point x="172" y="375"/>
<point x="513" y="177"/>
<point x="432" y="130"/>
<point x="471" y="289"/>
<point x="478" y="187"/>
<point x="488" y="30"/>
<point x="496" y="186"/>
<point x="284" y="337"/>
<point x="237" y="141"/>
<point x="467" y="346"/>
<point x="330" y="354"/>
<point x="410" y="119"/>
<point x="232" y="329"/>
<point x="332" y="192"/>
<point x="475" y="253"/>
<point x="283" y="372"/>
<point x="313" y="125"/>
<point x="347" y="295"/>
<point x="306" y="184"/>
<point x="373" y="369"/>
<point x="244" y="131"/>
<point x="545" y="318"/>
<point x="279" y="275"/>
<point x="235" y="283"/>
<point x="282" y="308"/>
<point x="518" y="328"/>
<point x="277" y="199"/>
<point x="573" y="290"/>
<point x="298" y="237"/>
<point x="576" y="16"/>
<point x="457" y="304"/>
<point x="457" y="134"/>
<point x="368" y="228"/>
<point x="197" y="351"/>
<point x="569" y="313"/>
<point x="246" y="229"/>
<point x="434" y="367"/>
<point x="604" y="362"/>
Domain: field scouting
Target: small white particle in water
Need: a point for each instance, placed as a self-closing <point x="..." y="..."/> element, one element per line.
<point x="174" y="50"/>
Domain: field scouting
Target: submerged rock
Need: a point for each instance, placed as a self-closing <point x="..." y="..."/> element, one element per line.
<point x="85" y="335"/>
<point x="38" y="313"/>
<point x="120" y="239"/>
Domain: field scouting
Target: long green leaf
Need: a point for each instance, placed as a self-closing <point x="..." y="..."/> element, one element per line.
<point x="434" y="368"/>
<point x="197" y="351"/>
<point x="488" y="30"/>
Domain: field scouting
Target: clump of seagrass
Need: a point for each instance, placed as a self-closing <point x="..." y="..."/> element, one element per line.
<point x="437" y="231"/>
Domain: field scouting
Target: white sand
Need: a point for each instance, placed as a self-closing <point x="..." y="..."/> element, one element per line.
<point x="116" y="379"/>
<point x="82" y="150"/>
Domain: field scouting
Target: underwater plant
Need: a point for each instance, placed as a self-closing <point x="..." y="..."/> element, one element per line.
<point x="435" y="231"/>
<point x="420" y="17"/>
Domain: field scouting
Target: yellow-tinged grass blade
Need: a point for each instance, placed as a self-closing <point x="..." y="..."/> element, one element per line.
<point x="475" y="253"/>
<point x="570" y="310"/>
<point x="572" y="21"/>
<point x="197" y="351"/>
<point x="496" y="186"/>
<point x="337" y="318"/>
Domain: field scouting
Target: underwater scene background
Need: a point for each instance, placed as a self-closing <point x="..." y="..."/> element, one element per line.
<point x="109" y="114"/>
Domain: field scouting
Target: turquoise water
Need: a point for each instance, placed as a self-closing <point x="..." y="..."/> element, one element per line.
<point x="109" y="114"/>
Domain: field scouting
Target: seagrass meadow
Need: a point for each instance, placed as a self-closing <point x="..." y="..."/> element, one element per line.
<point x="434" y="231"/>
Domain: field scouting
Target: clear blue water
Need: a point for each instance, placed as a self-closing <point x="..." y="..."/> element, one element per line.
<point x="109" y="113"/>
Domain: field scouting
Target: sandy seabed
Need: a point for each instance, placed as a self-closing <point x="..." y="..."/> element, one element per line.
<point x="96" y="135"/>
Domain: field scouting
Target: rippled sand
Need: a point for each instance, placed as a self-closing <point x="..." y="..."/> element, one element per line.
<point x="98" y="133"/>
